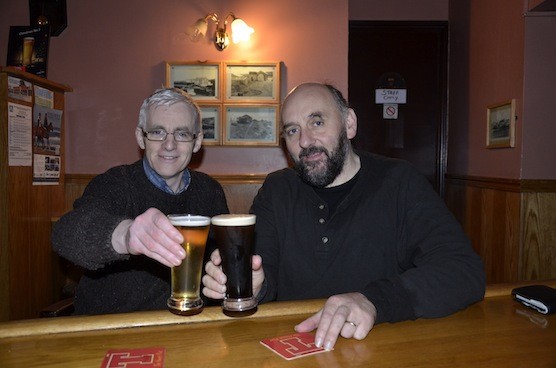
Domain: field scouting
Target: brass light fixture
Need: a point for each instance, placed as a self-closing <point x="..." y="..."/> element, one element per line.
<point x="240" y="30"/>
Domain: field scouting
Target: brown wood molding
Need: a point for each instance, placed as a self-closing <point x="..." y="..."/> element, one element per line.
<point x="36" y="79"/>
<point x="81" y="179"/>
<point x="509" y="185"/>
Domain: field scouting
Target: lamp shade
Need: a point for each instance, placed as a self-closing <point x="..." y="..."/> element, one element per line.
<point x="199" y="29"/>
<point x="241" y="31"/>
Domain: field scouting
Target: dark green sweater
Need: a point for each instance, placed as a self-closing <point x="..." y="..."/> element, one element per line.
<point x="112" y="282"/>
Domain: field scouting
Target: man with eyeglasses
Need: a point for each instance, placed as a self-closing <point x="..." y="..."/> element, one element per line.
<point x="118" y="231"/>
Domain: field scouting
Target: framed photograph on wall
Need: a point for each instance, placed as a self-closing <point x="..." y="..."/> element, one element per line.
<point x="200" y="79"/>
<point x="501" y="125"/>
<point x="252" y="82"/>
<point x="211" y="118"/>
<point x="254" y="125"/>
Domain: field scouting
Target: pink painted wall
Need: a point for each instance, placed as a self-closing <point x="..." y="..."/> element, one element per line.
<point x="487" y="59"/>
<point x="539" y="135"/>
<point x="112" y="53"/>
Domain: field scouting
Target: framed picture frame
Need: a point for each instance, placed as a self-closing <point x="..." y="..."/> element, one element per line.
<point x="500" y="129"/>
<point x="202" y="80"/>
<point x="211" y="118"/>
<point x="251" y="82"/>
<point x="253" y="125"/>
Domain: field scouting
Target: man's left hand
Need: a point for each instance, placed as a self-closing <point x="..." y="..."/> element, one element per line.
<point x="351" y="315"/>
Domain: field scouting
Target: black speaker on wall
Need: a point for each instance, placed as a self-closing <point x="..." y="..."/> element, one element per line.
<point x="53" y="11"/>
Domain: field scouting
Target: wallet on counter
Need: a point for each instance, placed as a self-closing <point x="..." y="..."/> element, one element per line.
<point x="541" y="298"/>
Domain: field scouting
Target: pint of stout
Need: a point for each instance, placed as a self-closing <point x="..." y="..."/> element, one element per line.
<point x="186" y="278"/>
<point x="235" y="237"/>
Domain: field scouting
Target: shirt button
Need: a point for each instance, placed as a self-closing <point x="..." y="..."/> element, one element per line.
<point x="321" y="207"/>
<point x="324" y="239"/>
<point x="321" y="221"/>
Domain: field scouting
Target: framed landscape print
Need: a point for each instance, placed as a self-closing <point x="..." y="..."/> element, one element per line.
<point x="200" y="79"/>
<point x="255" y="125"/>
<point x="252" y="82"/>
<point x="211" y="118"/>
<point x="239" y="101"/>
<point x="501" y="125"/>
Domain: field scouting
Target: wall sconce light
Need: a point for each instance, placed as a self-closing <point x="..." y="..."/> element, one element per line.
<point x="240" y="30"/>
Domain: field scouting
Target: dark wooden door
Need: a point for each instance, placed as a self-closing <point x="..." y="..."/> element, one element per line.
<point x="418" y="52"/>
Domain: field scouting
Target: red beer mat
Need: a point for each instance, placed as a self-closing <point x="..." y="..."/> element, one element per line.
<point x="293" y="346"/>
<point x="134" y="358"/>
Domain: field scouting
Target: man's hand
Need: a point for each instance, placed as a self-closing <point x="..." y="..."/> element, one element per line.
<point x="214" y="280"/>
<point x="151" y="234"/>
<point x="349" y="315"/>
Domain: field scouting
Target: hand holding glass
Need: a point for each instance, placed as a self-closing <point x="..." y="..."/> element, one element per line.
<point x="186" y="278"/>
<point x="235" y="237"/>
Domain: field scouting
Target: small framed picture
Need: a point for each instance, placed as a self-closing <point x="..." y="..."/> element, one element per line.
<point x="252" y="82"/>
<point x="211" y="118"/>
<point x="501" y="125"/>
<point x="200" y="79"/>
<point x="254" y="125"/>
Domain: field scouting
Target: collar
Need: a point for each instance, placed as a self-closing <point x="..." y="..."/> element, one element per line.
<point x="159" y="182"/>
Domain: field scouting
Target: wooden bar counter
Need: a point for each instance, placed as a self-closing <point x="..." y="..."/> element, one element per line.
<point x="497" y="332"/>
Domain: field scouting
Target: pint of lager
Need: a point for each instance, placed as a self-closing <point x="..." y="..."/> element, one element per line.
<point x="186" y="278"/>
<point x="235" y="237"/>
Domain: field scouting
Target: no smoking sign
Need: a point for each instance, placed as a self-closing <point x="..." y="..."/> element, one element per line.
<point x="390" y="111"/>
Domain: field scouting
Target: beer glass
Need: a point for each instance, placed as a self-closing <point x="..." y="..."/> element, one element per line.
<point x="28" y="43"/>
<point x="186" y="299"/>
<point x="234" y="237"/>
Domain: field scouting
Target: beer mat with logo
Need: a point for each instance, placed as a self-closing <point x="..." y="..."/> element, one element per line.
<point x="293" y="346"/>
<point x="148" y="357"/>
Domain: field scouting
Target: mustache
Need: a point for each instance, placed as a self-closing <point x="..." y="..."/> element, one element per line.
<point x="312" y="150"/>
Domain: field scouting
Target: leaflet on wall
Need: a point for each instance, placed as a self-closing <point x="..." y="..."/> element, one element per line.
<point x="19" y="135"/>
<point x="20" y="89"/>
<point x="44" y="97"/>
<point x="46" y="169"/>
<point x="47" y="126"/>
<point x="28" y="49"/>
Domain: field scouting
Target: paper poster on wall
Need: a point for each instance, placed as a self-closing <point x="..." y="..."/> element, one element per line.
<point x="46" y="170"/>
<point x="47" y="126"/>
<point x="44" y="97"/>
<point x="20" y="89"/>
<point x="19" y="135"/>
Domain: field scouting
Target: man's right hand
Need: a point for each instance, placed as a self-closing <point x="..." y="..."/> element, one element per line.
<point x="151" y="234"/>
<point x="214" y="280"/>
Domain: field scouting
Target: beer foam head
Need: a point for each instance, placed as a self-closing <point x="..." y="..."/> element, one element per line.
<point x="189" y="220"/>
<point x="234" y="220"/>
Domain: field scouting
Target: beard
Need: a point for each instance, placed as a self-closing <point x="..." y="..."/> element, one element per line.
<point x="322" y="173"/>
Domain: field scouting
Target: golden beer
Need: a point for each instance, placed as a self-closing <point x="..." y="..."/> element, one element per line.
<point x="186" y="278"/>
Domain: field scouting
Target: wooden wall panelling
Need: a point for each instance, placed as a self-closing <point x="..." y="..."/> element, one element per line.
<point x="489" y="212"/>
<point x="239" y="189"/>
<point x="26" y="262"/>
<point x="4" y="249"/>
<point x="539" y="236"/>
<point x="511" y="223"/>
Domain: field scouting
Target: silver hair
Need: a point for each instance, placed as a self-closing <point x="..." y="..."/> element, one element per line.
<point x="167" y="97"/>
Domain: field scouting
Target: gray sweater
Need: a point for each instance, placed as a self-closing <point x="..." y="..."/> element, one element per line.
<point x="114" y="283"/>
<point x="391" y="238"/>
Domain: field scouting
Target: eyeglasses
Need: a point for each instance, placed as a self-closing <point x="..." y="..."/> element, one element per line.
<point x="161" y="134"/>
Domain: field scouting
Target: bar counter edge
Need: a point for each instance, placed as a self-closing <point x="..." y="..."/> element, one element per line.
<point x="55" y="325"/>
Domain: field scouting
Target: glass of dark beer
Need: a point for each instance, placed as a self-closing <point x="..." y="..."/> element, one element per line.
<point x="186" y="299"/>
<point x="235" y="237"/>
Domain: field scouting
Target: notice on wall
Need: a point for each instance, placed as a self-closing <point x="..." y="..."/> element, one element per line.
<point x="20" y="89"/>
<point x="44" y="97"/>
<point x="46" y="170"/>
<point x="20" y="150"/>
